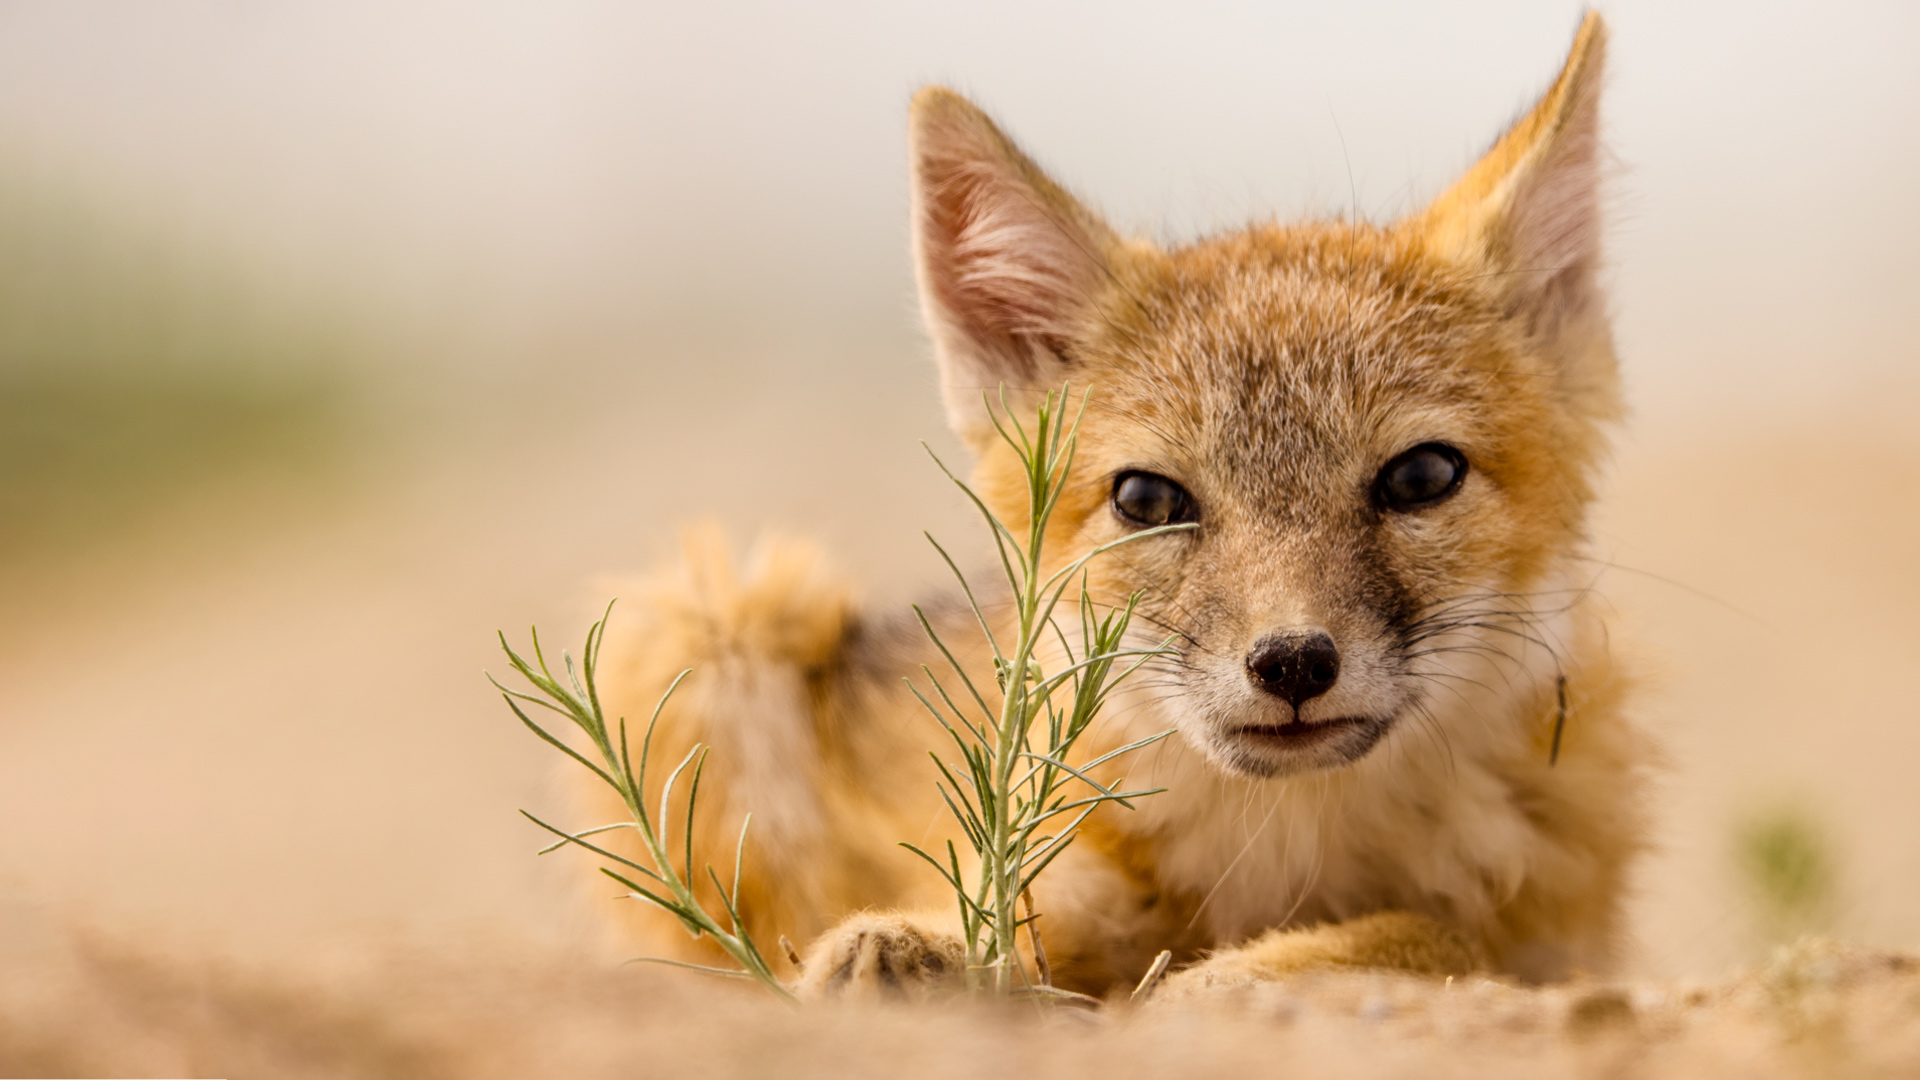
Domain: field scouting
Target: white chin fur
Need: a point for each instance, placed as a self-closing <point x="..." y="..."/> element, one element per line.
<point x="1274" y="838"/>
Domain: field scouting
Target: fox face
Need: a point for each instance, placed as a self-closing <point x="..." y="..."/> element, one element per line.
<point x="1383" y="435"/>
<point x="1363" y="487"/>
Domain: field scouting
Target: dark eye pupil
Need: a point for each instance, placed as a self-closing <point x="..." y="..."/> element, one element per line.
<point x="1147" y="499"/>
<point x="1423" y="474"/>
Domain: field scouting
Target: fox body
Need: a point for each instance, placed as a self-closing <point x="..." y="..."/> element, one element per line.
<point x="1399" y="737"/>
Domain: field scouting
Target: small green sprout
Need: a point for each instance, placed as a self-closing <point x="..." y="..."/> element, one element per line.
<point x="665" y="886"/>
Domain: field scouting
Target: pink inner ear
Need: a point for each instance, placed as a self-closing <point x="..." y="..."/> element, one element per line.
<point x="1554" y="220"/>
<point x="1553" y="226"/>
<point x="1015" y="268"/>
<point x="1007" y="263"/>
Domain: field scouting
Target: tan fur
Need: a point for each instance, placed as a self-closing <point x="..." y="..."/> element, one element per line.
<point x="1271" y="371"/>
<point x="1389" y="939"/>
<point x="879" y="956"/>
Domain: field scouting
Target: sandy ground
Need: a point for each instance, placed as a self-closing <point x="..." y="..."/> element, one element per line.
<point x="251" y="756"/>
<point x="92" y="1006"/>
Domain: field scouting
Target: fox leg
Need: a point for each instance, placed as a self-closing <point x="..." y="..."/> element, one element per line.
<point x="1395" y="940"/>
<point x="1096" y="924"/>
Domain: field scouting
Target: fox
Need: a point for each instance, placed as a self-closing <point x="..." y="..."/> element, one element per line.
<point x="1400" y="736"/>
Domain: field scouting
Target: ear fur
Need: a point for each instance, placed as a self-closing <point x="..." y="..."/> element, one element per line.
<point x="1527" y="216"/>
<point x="1007" y="261"/>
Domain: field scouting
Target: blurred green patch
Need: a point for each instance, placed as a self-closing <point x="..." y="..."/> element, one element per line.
<point x="136" y="367"/>
<point x="85" y="456"/>
<point x="1788" y="865"/>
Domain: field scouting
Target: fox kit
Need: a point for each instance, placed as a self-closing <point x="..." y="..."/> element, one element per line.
<point x="1399" y="739"/>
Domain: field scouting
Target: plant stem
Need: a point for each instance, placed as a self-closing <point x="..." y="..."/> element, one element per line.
<point x="1004" y="791"/>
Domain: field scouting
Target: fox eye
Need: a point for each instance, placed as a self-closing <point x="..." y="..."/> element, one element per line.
<point x="1148" y="499"/>
<point x="1420" y="476"/>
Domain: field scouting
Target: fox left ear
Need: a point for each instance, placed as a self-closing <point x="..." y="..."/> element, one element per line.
<point x="1527" y="216"/>
<point x="1008" y="262"/>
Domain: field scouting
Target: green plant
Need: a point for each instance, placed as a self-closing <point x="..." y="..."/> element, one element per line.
<point x="1010" y="794"/>
<point x="138" y="370"/>
<point x="1789" y="866"/>
<point x="1014" y="798"/>
<point x="579" y="701"/>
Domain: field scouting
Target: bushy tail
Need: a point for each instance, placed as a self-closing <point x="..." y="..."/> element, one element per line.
<point x="762" y="639"/>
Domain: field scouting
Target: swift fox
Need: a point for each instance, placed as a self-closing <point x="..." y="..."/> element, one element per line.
<point x="1399" y="738"/>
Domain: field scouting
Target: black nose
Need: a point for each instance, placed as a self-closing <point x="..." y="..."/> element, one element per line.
<point x="1295" y="667"/>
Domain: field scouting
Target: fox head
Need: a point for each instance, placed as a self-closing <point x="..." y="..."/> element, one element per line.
<point x="1384" y="435"/>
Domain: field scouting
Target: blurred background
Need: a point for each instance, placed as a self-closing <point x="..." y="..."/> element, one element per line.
<point x="334" y="337"/>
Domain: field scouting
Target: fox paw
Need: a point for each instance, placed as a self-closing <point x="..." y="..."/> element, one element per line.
<point x="881" y="957"/>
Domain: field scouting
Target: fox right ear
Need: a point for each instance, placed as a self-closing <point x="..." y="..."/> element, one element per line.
<point x="1007" y="261"/>
<point x="1526" y="220"/>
